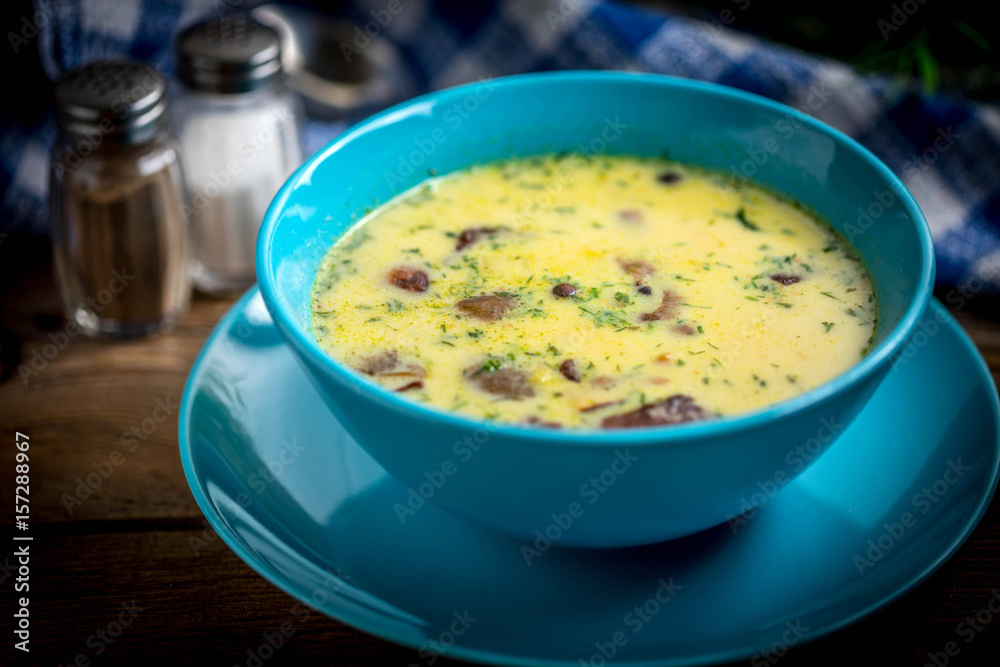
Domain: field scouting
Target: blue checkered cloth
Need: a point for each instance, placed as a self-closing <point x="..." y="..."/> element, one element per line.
<point x="946" y="150"/>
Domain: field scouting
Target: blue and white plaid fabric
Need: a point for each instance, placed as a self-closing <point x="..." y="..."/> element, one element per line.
<point x="946" y="150"/>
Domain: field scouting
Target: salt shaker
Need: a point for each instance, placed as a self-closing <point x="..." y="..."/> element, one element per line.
<point x="119" y="233"/>
<point x="239" y="130"/>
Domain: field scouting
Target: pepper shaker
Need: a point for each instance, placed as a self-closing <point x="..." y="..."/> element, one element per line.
<point x="239" y="131"/>
<point x="120" y="238"/>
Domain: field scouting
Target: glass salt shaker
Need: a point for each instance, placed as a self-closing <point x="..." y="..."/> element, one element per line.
<point x="119" y="233"/>
<point x="239" y="130"/>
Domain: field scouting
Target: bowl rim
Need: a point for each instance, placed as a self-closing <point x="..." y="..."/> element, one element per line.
<point x="654" y="435"/>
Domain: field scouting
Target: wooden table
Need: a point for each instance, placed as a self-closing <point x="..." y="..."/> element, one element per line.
<point x="131" y="540"/>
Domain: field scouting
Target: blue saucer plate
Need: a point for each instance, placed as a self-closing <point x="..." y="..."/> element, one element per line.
<point x="297" y="499"/>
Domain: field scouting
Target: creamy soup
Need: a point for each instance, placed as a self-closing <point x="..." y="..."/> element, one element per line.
<point x="594" y="292"/>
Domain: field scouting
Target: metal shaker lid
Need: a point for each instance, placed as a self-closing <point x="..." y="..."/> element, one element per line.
<point x="228" y="55"/>
<point x="118" y="99"/>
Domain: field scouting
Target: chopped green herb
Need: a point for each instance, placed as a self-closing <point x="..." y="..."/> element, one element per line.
<point x="607" y="317"/>
<point x="741" y="215"/>
<point x="490" y="366"/>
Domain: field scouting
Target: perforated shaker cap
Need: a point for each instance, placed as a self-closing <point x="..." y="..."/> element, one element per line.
<point x="120" y="100"/>
<point x="228" y="55"/>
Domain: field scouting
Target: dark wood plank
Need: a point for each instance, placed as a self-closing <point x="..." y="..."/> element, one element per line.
<point x="103" y="423"/>
<point x="210" y="606"/>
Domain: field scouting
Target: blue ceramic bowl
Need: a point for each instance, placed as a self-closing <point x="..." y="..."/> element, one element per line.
<point x="595" y="488"/>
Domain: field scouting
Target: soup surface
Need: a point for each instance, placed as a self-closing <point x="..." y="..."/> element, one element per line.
<point x="578" y="291"/>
